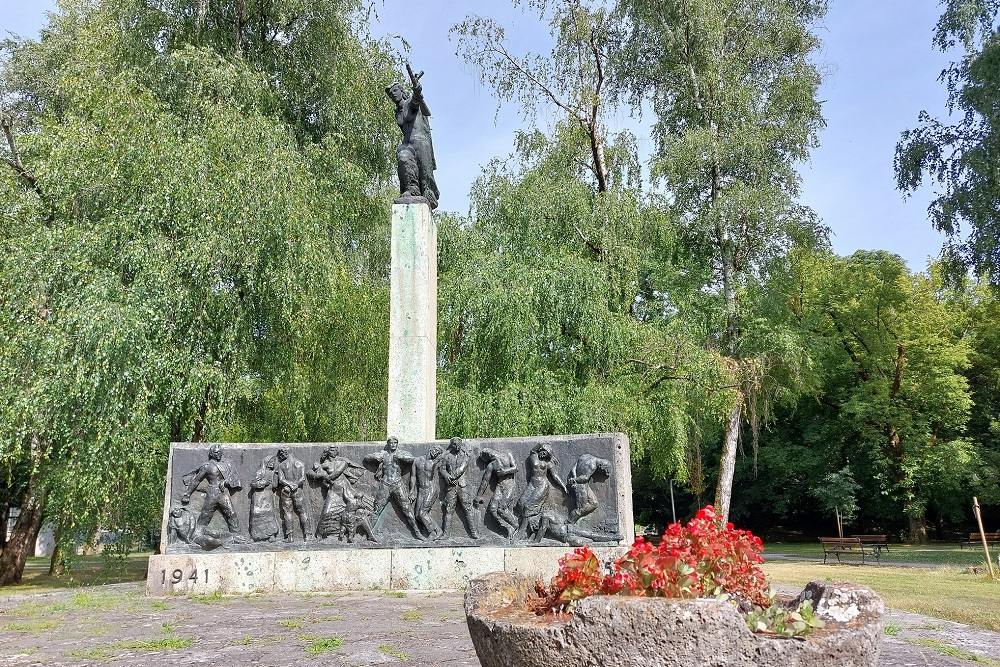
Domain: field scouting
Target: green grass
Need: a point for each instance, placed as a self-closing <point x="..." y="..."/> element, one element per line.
<point x="76" y="602"/>
<point x="936" y="554"/>
<point x="323" y="645"/>
<point x="33" y="626"/>
<point x="946" y="593"/>
<point x="291" y="623"/>
<point x="389" y="649"/>
<point x="952" y="652"/>
<point x="172" y="643"/>
<point x="412" y="615"/>
<point x="395" y="594"/>
<point x="100" y="653"/>
<point x="107" y="652"/>
<point x="84" y="571"/>
<point x="209" y="598"/>
<point x="892" y="630"/>
<point x="159" y="605"/>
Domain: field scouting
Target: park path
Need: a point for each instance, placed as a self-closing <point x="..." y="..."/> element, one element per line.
<point x="118" y="625"/>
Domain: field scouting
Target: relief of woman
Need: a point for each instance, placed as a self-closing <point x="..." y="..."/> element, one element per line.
<point x="541" y="471"/>
<point x="336" y="475"/>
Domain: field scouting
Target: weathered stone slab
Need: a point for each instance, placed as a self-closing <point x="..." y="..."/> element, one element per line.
<point x="228" y="498"/>
<point x="428" y="569"/>
<point x="335" y="570"/>
<point x="347" y="569"/>
<point x="412" y="324"/>
<point x="543" y="563"/>
<point x="197" y="574"/>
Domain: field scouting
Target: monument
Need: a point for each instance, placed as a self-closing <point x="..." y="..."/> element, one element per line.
<point x="406" y="513"/>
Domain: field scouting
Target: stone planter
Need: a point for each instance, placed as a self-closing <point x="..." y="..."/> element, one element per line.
<point x="632" y="631"/>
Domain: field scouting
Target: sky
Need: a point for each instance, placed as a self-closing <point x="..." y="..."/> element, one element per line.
<point x="880" y="71"/>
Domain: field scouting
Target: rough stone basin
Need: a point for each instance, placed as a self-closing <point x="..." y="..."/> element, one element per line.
<point x="632" y="631"/>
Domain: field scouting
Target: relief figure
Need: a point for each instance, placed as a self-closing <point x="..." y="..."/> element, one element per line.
<point x="390" y="484"/>
<point x="263" y="523"/>
<point x="456" y="465"/>
<point x="292" y="495"/>
<point x="424" y="489"/>
<point x="580" y="478"/>
<point x="542" y="475"/>
<point x="336" y="475"/>
<point x="558" y="527"/>
<point x="222" y="479"/>
<point x="500" y="470"/>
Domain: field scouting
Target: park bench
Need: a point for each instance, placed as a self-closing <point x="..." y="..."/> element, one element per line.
<point x="835" y="546"/>
<point x="879" y="543"/>
<point x="974" y="539"/>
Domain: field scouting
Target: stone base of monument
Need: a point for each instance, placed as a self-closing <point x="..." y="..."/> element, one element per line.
<point x="349" y="569"/>
<point x="624" y="630"/>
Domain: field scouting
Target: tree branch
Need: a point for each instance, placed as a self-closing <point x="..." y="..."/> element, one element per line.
<point x="15" y="160"/>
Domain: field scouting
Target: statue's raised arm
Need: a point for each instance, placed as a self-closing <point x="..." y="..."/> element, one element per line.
<point x="415" y="154"/>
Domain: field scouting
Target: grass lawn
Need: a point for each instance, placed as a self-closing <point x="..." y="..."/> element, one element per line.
<point x="942" y="592"/>
<point x="942" y="554"/>
<point x="84" y="571"/>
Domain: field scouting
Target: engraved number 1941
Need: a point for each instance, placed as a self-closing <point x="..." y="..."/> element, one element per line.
<point x="177" y="576"/>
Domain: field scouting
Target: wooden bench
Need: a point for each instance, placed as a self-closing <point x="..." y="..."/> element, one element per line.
<point x="974" y="539"/>
<point x="879" y="543"/>
<point x="835" y="546"/>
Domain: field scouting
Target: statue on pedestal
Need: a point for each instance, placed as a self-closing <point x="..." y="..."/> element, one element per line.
<point x="415" y="155"/>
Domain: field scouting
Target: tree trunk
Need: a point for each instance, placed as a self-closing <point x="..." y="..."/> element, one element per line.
<point x="22" y="539"/>
<point x="57" y="563"/>
<point x="4" y="513"/>
<point x="727" y="462"/>
<point x="918" y="530"/>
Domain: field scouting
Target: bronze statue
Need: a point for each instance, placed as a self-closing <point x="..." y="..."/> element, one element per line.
<point x="291" y="479"/>
<point x="541" y="471"/>
<point x="424" y="489"/>
<point x="456" y="463"/>
<point x="222" y="479"/>
<point x="415" y="155"/>
<point x="555" y="525"/>
<point x="390" y="483"/>
<point x="502" y="468"/>
<point x="184" y="528"/>
<point x="336" y="475"/>
<point x="263" y="524"/>
<point x="356" y="518"/>
<point x="580" y="478"/>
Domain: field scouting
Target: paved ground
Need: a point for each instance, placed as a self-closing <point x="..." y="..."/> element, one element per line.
<point x="118" y="625"/>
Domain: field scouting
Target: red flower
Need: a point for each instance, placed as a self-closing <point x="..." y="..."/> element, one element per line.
<point x="703" y="558"/>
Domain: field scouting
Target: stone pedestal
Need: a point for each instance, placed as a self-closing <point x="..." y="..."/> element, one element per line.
<point x="344" y="569"/>
<point x="412" y="324"/>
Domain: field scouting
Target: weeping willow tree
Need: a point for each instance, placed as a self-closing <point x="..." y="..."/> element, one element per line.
<point x="187" y="207"/>
<point x="552" y="315"/>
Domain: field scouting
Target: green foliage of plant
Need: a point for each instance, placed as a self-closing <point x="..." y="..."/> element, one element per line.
<point x="391" y="650"/>
<point x="172" y="643"/>
<point x="957" y="157"/>
<point x="32" y="626"/>
<point x="781" y="620"/>
<point x="323" y="645"/>
<point x="412" y="615"/>
<point x="944" y="648"/>
<point x="892" y="629"/>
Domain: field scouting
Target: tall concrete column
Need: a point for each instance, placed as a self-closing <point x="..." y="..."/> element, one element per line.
<point x="413" y="324"/>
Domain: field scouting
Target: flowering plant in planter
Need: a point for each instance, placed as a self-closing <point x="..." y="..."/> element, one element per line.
<point x="703" y="559"/>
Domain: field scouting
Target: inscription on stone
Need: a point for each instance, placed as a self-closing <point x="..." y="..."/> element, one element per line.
<point x="466" y="492"/>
